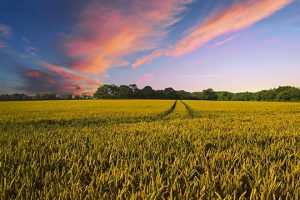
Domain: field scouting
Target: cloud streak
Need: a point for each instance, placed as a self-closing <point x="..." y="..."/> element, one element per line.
<point x="236" y="17"/>
<point x="224" y="41"/>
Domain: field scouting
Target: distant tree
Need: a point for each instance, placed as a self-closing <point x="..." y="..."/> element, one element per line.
<point x="243" y="96"/>
<point x="224" y="96"/>
<point x="209" y="94"/>
<point x="265" y="95"/>
<point x="135" y="91"/>
<point x="288" y="94"/>
<point x="170" y="93"/>
<point x="181" y="94"/>
<point x="125" y="92"/>
<point x="148" y="93"/>
<point x="159" y="94"/>
<point x="47" y="96"/>
<point x="67" y="96"/>
<point x="106" y="92"/>
<point x="196" y="95"/>
<point x="85" y="96"/>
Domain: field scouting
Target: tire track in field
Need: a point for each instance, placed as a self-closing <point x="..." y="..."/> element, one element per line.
<point x="169" y="111"/>
<point x="190" y="111"/>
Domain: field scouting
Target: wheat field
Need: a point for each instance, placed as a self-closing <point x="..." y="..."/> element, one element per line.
<point x="149" y="149"/>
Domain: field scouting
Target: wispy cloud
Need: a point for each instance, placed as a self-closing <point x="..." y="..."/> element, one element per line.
<point x="29" y="49"/>
<point x="5" y="31"/>
<point x="220" y="43"/>
<point x="236" y="17"/>
<point x="145" y="78"/>
<point x="104" y="35"/>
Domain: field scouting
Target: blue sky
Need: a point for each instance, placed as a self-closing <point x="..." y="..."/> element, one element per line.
<point x="75" y="46"/>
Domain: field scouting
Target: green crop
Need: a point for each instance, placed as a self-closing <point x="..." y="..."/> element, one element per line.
<point x="149" y="149"/>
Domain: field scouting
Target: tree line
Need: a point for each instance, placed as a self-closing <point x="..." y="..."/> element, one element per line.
<point x="285" y="93"/>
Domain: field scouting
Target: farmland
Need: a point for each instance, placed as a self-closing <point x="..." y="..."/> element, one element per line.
<point x="149" y="149"/>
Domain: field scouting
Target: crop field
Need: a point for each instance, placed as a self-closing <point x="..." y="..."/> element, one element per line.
<point x="149" y="149"/>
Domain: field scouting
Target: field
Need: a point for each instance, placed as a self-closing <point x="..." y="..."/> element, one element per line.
<point x="149" y="149"/>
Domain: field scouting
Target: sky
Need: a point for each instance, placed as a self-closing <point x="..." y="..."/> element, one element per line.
<point x="77" y="45"/>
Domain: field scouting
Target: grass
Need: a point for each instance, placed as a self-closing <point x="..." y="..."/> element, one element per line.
<point x="149" y="149"/>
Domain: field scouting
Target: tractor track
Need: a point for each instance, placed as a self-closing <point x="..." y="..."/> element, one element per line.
<point x="190" y="111"/>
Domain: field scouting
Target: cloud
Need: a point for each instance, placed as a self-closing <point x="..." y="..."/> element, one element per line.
<point x="70" y="81"/>
<point x="36" y="77"/>
<point x="56" y="80"/>
<point x="238" y="16"/>
<point x="104" y="34"/>
<point x="36" y="81"/>
<point x="145" y="78"/>
<point x="224" y="41"/>
<point x="5" y="31"/>
<point x="29" y="49"/>
<point x="33" y="73"/>
<point x="155" y="54"/>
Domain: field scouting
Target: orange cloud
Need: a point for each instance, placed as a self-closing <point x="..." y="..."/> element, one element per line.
<point x="105" y="35"/>
<point x="238" y="16"/>
<point x="71" y="81"/>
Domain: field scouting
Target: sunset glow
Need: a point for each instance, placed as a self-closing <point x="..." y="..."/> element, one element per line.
<point x="170" y="43"/>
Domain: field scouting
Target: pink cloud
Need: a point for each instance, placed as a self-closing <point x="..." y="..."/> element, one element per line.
<point x="145" y="78"/>
<point x="72" y="81"/>
<point x="104" y="35"/>
<point x="5" y="31"/>
<point x="220" y="43"/>
<point x="238" y="16"/>
<point x="155" y="54"/>
<point x="33" y="74"/>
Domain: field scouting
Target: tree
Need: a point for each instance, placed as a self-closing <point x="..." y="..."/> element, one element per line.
<point x="135" y="90"/>
<point x="125" y="92"/>
<point x="106" y="92"/>
<point x="85" y="96"/>
<point x="67" y="96"/>
<point x="181" y="94"/>
<point x="288" y="94"/>
<point x="243" y="96"/>
<point x="148" y="93"/>
<point x="170" y="93"/>
<point x="265" y="95"/>
<point x="224" y="96"/>
<point x="209" y="94"/>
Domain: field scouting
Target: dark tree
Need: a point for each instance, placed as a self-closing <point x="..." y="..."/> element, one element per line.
<point x="148" y="93"/>
<point x="209" y="94"/>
